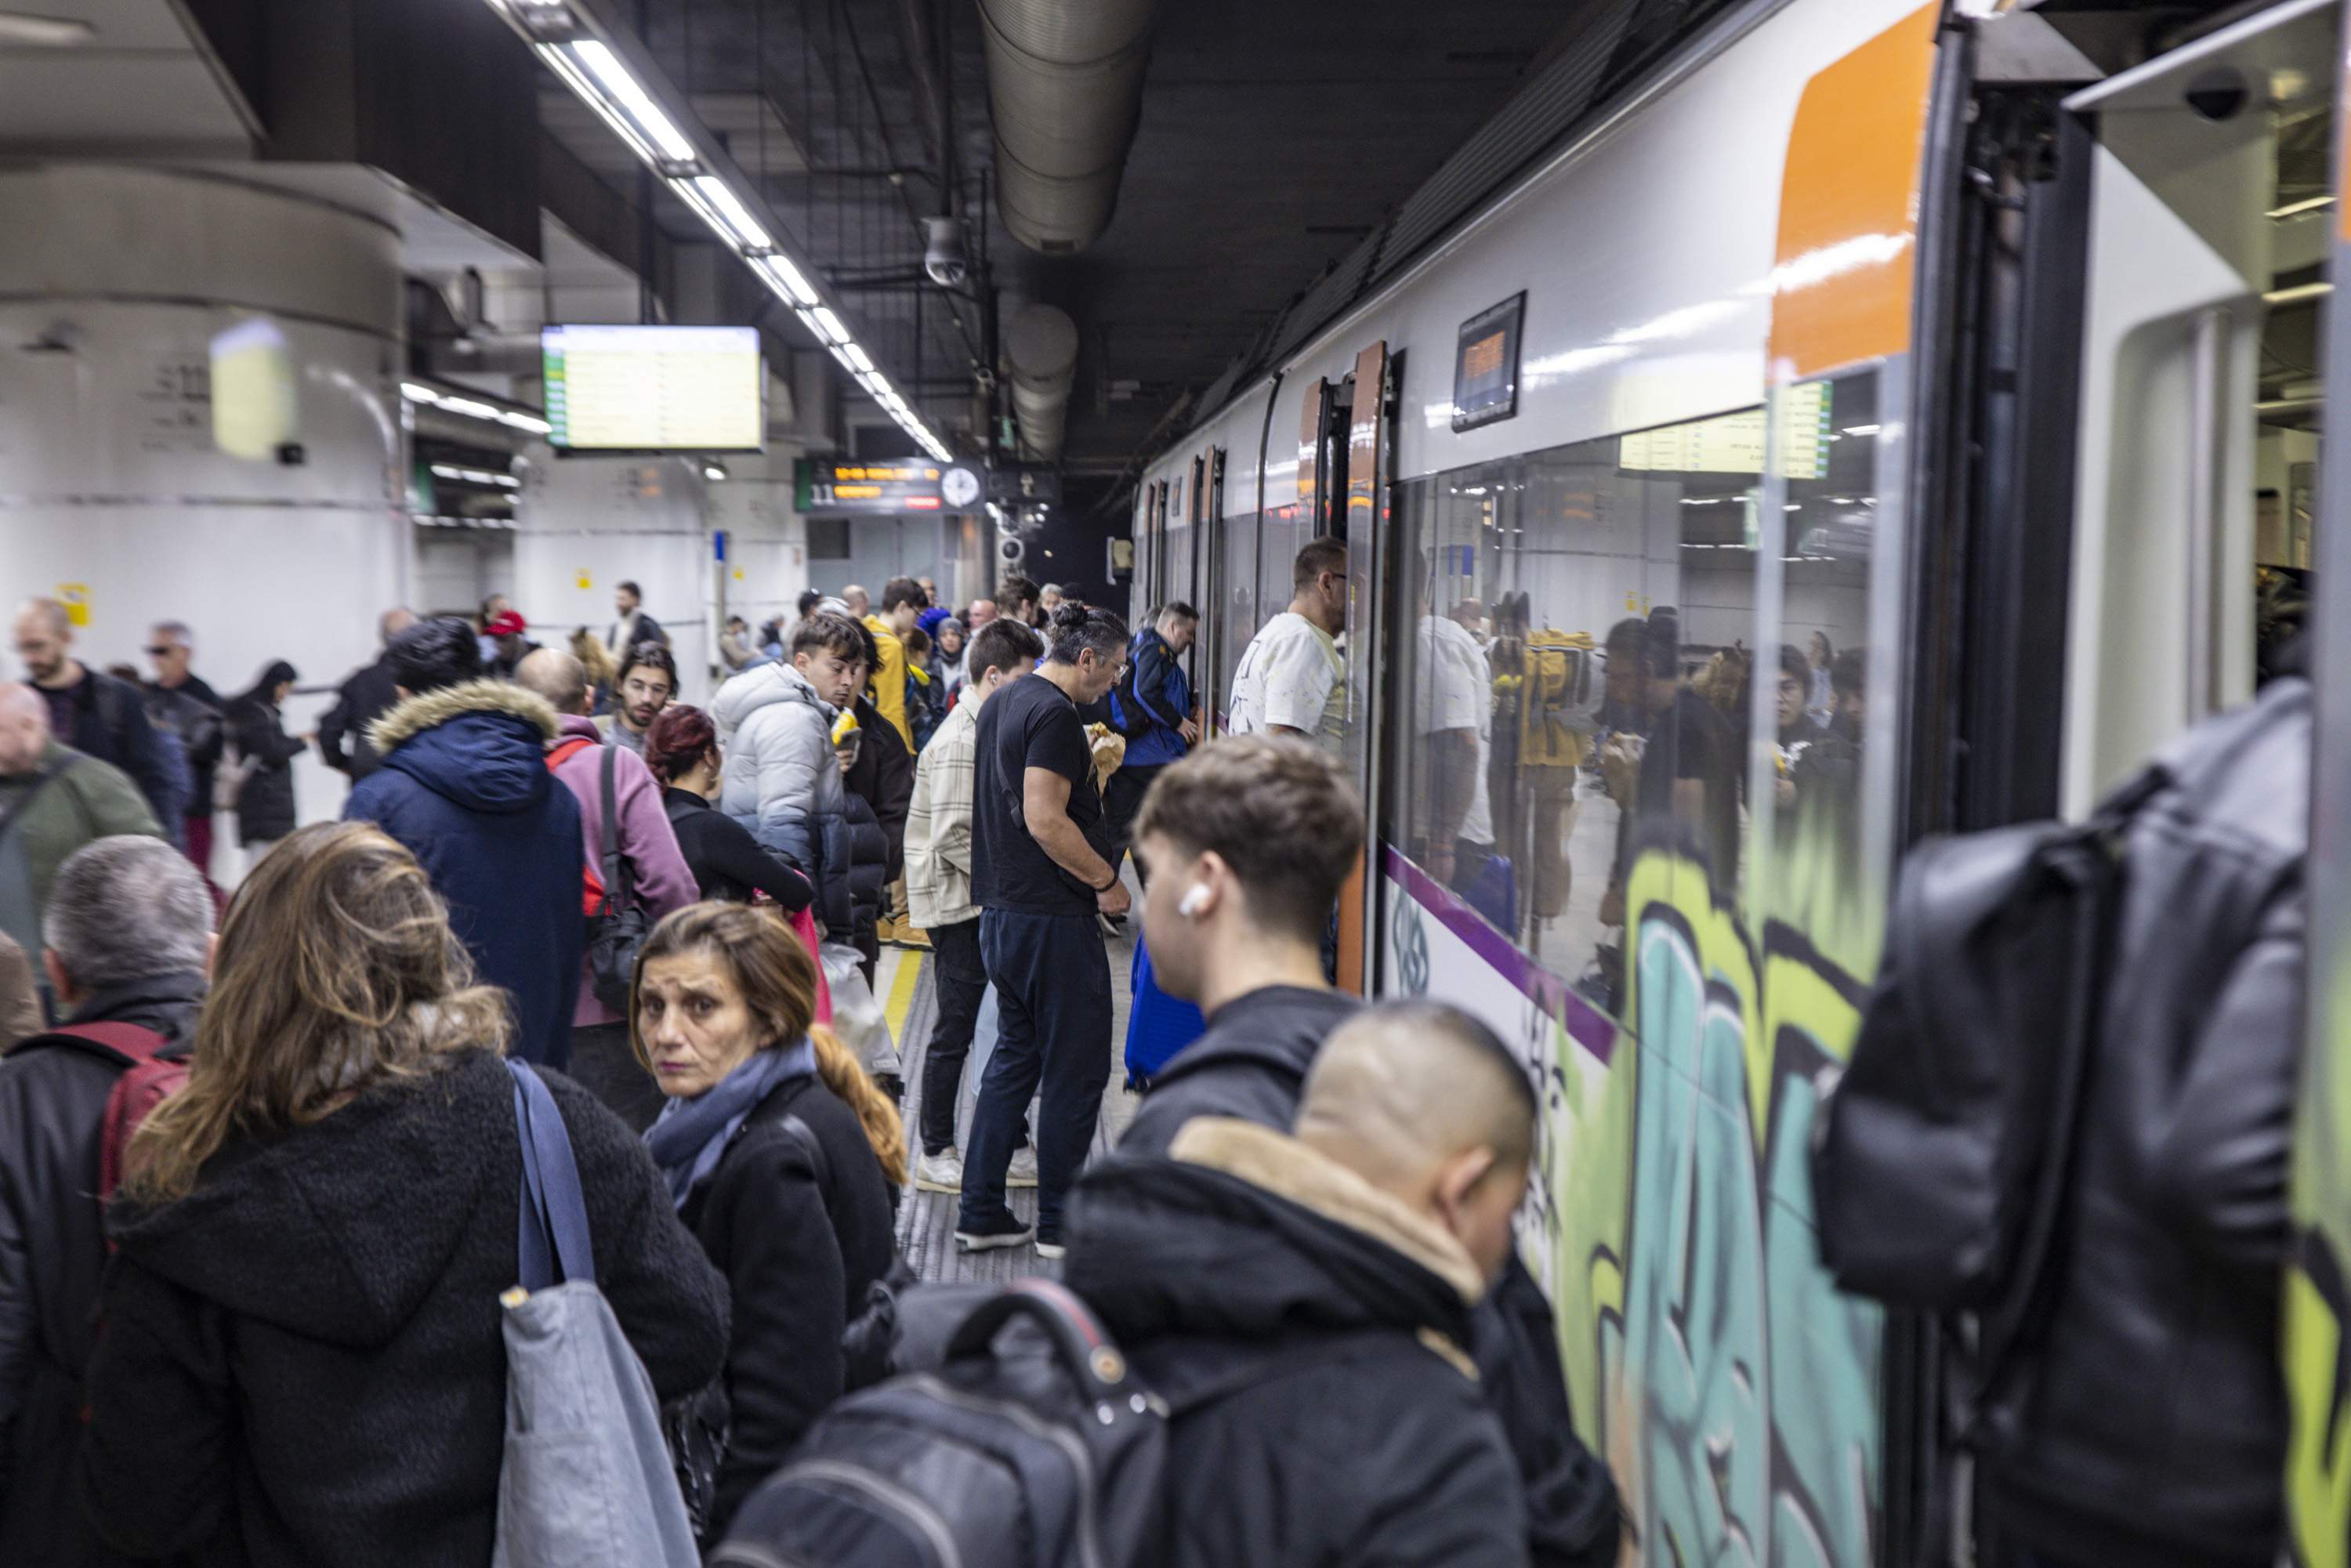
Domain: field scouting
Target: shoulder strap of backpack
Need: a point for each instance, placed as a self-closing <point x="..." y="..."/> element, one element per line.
<point x="566" y="751"/>
<point x="121" y="1044"/>
<point x="620" y="889"/>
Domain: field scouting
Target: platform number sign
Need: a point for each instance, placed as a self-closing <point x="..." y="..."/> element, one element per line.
<point x="1486" y="365"/>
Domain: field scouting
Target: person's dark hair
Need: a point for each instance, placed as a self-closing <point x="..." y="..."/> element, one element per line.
<point x="631" y="589"/>
<point x="681" y="737"/>
<point x="127" y="673"/>
<point x="653" y="655"/>
<point x="1275" y="808"/>
<point x="441" y="651"/>
<point x="1624" y="638"/>
<point x="903" y="590"/>
<point x="1849" y="673"/>
<point x="830" y="633"/>
<point x="1827" y="647"/>
<point x="1318" y="556"/>
<point x="869" y="647"/>
<point x="265" y="685"/>
<point x="1015" y="591"/>
<point x="809" y="601"/>
<point x="1179" y="610"/>
<point x="1793" y="662"/>
<point x="1077" y="628"/>
<point x="916" y="640"/>
<point x="999" y="645"/>
<point x="1661" y="644"/>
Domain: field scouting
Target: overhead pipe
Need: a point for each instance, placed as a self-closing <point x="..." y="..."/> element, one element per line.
<point x="1065" y="91"/>
<point x="1041" y="346"/>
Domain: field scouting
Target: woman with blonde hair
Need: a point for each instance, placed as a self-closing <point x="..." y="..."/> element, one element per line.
<point x="780" y="1153"/>
<point x="302" y="1358"/>
<point x="604" y="675"/>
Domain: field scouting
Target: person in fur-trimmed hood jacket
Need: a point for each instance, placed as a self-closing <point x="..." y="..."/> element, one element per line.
<point x="464" y="785"/>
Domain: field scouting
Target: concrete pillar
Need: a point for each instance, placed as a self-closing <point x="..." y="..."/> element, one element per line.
<point x="200" y="421"/>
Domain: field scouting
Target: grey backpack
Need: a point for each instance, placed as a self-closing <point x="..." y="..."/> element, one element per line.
<point x="586" y="1482"/>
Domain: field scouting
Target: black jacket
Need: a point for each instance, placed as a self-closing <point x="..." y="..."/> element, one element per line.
<point x="366" y="696"/>
<point x="1352" y="1430"/>
<point x="1251" y="1062"/>
<point x="883" y="774"/>
<point x="111" y="723"/>
<point x="195" y="713"/>
<point x="52" y="1251"/>
<point x="265" y="801"/>
<point x="726" y="861"/>
<point x="798" y="1255"/>
<point x="2150" y="1425"/>
<point x="303" y="1361"/>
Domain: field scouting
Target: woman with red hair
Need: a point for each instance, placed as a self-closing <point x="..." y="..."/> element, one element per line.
<point x="728" y="862"/>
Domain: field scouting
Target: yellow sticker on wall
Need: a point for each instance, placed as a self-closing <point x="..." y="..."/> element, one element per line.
<point x="586" y="581"/>
<point x="75" y="597"/>
<point x="738" y="574"/>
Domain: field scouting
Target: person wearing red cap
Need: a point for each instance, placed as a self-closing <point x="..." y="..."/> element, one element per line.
<point x="509" y="631"/>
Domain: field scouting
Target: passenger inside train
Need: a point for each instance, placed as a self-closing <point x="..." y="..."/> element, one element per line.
<point x="1122" y="784"/>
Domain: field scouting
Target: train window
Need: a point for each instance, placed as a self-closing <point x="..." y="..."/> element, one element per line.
<point x="1237" y="609"/>
<point x="1576" y="667"/>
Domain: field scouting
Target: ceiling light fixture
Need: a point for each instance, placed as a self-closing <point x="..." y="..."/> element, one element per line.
<point x="44" y="32"/>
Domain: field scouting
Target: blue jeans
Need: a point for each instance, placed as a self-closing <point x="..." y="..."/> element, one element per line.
<point x="1053" y="1023"/>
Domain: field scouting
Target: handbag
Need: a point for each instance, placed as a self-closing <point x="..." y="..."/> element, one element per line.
<point x="586" y="1479"/>
<point x="620" y="925"/>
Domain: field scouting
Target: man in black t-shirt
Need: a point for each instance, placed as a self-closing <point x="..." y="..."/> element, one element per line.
<point x="1040" y="873"/>
<point x="1686" y="786"/>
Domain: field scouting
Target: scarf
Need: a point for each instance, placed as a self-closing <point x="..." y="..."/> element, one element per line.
<point x="690" y="1135"/>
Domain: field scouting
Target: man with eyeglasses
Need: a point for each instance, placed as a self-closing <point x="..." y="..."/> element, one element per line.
<point x="645" y="685"/>
<point x="182" y="701"/>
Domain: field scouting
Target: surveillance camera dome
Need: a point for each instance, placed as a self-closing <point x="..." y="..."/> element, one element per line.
<point x="1010" y="550"/>
<point x="942" y="253"/>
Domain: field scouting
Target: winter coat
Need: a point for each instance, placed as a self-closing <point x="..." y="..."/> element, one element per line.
<point x="1358" y="1433"/>
<point x="196" y="713"/>
<point x="42" y="823"/>
<point x="799" y="1254"/>
<point x="869" y="869"/>
<point x="662" y="882"/>
<point x="888" y="681"/>
<point x="366" y="696"/>
<point x="265" y="801"/>
<point x="1251" y="1063"/>
<point x="107" y="719"/>
<point x="465" y="786"/>
<point x="20" y="999"/>
<point x="52" y="1252"/>
<point x="2148" y="1425"/>
<point x="782" y="780"/>
<point x="1166" y="696"/>
<point x="303" y="1361"/>
<point x="883" y="774"/>
<point x="726" y="860"/>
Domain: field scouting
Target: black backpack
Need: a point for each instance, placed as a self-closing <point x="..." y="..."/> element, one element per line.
<point x="1942" y="1157"/>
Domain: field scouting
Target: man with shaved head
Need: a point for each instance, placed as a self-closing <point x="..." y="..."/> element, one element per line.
<point x="53" y="800"/>
<point x="1322" y="1284"/>
<point x="857" y="599"/>
<point x="584" y="761"/>
<point x="94" y="714"/>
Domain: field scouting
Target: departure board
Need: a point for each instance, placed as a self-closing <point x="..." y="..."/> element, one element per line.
<point x="1486" y="365"/>
<point x="826" y="489"/>
<point x="1734" y="443"/>
<point x="654" y="389"/>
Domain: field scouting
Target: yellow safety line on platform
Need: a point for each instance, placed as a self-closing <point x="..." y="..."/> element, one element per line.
<point x="901" y="994"/>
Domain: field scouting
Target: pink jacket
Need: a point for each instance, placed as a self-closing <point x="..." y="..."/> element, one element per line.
<point x="662" y="881"/>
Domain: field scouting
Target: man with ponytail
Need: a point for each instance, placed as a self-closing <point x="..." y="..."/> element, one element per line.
<point x="780" y="1154"/>
<point x="1040" y="873"/>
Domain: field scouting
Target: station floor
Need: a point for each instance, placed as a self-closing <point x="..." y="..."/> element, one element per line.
<point x="927" y="1220"/>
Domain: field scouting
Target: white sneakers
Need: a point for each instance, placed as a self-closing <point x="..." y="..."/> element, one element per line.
<point x="939" y="1173"/>
<point x="1022" y="1171"/>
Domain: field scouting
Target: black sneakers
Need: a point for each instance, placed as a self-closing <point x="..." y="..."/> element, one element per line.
<point x="1006" y="1232"/>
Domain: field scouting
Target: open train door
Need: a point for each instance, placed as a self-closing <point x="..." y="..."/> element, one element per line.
<point x="1369" y="453"/>
<point x="2318" y="1275"/>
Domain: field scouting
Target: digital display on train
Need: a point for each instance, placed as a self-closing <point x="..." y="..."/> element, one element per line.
<point x="1486" y="365"/>
<point x="1734" y="443"/>
<point x="653" y="389"/>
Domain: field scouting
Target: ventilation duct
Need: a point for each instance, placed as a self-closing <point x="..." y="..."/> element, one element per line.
<point x="1040" y="345"/>
<point x="1065" y="89"/>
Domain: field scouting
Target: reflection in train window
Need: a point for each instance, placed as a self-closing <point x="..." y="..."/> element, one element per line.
<point x="1575" y="666"/>
<point x="1237" y="609"/>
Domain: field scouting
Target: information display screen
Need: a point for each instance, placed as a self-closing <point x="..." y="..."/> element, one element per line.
<point x="867" y="489"/>
<point x="654" y="389"/>
<point x="1486" y="365"/>
<point x="1734" y="443"/>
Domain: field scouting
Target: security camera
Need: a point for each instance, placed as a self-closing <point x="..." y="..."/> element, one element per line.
<point x="1010" y="550"/>
<point x="943" y="255"/>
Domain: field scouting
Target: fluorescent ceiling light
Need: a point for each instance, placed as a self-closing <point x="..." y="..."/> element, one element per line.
<point x="842" y="355"/>
<point x="530" y="421"/>
<point x="828" y="325"/>
<point x="415" y="393"/>
<point x="713" y="471"/>
<point x="796" y="287"/>
<point x="1861" y="430"/>
<point x="861" y="359"/>
<point x="44" y="32"/>
<point x="732" y="212"/>
<point x="633" y="100"/>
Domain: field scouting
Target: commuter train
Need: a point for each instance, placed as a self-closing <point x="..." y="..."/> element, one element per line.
<point x="1900" y="366"/>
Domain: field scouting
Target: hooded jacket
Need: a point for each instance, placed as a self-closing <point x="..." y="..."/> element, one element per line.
<point x="782" y="780"/>
<point x="662" y="881"/>
<point x="2148" y="1427"/>
<point x="1251" y="1063"/>
<point x="1350" y="1428"/>
<point x="465" y="785"/>
<point x="52" y="1252"/>
<point x="303" y="1359"/>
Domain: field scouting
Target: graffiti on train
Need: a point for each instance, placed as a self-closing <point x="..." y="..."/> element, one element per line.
<point x="1732" y="1390"/>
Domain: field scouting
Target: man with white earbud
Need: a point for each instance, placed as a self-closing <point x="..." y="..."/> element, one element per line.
<point x="1246" y="842"/>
